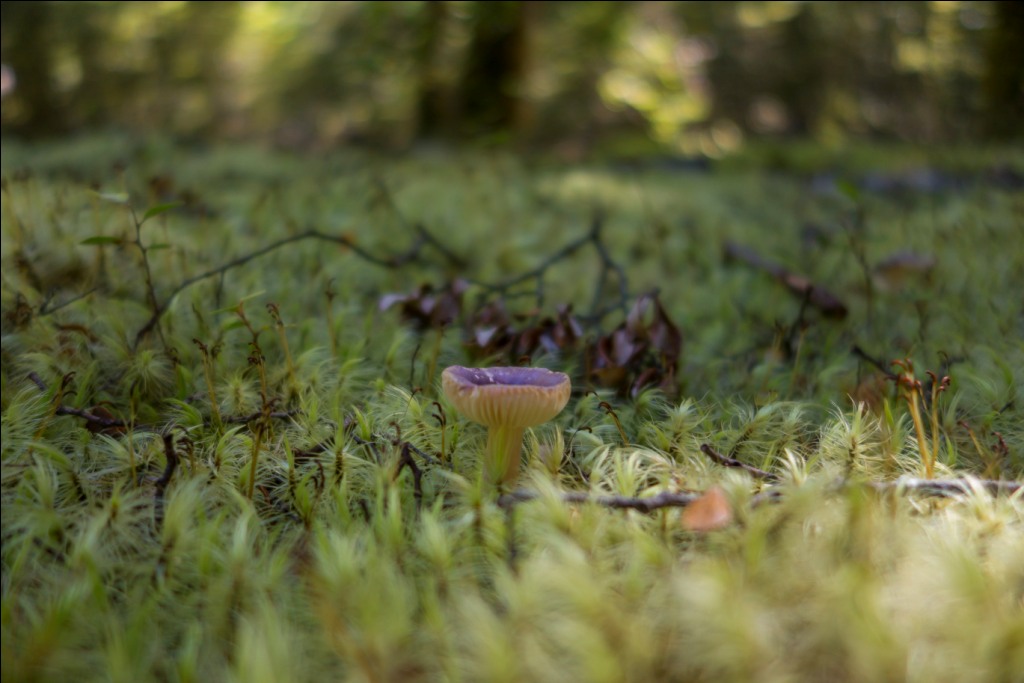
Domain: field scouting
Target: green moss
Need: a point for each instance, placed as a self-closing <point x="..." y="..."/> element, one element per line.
<point x="347" y="565"/>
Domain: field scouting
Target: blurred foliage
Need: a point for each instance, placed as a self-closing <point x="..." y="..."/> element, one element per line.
<point x="688" y="77"/>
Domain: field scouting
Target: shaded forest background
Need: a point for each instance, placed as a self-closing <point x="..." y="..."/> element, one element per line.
<point x="690" y="78"/>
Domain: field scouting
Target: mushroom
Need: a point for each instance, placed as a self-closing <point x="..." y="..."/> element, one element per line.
<point x="507" y="400"/>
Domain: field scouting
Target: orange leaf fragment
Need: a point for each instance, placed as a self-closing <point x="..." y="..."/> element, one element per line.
<point x="710" y="512"/>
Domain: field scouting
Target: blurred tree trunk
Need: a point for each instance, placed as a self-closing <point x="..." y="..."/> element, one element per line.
<point x="490" y="90"/>
<point x="93" y="98"/>
<point x="1003" y="81"/>
<point x="432" y="99"/>
<point x="802" y="79"/>
<point x="27" y="50"/>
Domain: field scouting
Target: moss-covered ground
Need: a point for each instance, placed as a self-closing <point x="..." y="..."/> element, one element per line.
<point x="226" y="455"/>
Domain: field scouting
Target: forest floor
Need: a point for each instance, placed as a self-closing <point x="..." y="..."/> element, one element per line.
<point x="793" y="450"/>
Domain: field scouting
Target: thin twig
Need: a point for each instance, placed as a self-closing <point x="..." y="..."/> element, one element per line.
<point x="429" y="239"/>
<point x="426" y="456"/>
<point x="424" y="235"/>
<point x="668" y="499"/>
<point x="512" y="550"/>
<point x="37" y="380"/>
<point x="367" y="442"/>
<point x="406" y="460"/>
<point x="95" y="422"/>
<point x="608" y="266"/>
<point x="947" y="487"/>
<point x="160" y="485"/>
<point x="45" y="308"/>
<point x="275" y="415"/>
<point x="824" y="300"/>
<point x="172" y="463"/>
<point x="395" y="261"/>
<point x="567" y="250"/>
<point x="726" y="461"/>
<point x="863" y="355"/>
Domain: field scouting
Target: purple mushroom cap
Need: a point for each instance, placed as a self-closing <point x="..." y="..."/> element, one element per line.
<point x="506" y="396"/>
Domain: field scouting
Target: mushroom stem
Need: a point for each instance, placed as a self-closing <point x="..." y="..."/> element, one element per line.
<point x="507" y="400"/>
<point x="504" y="446"/>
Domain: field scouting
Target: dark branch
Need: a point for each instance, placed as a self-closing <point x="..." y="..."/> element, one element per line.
<point x="661" y="500"/>
<point x="276" y="415"/>
<point x="160" y="486"/>
<point x="608" y="267"/>
<point x="427" y="238"/>
<point x="395" y="261"/>
<point x="726" y="461"/>
<point x="406" y="460"/>
<point x="925" y="487"/>
<point x="46" y="309"/>
<point x="94" y="422"/>
<point x="863" y="355"/>
<point x="539" y="271"/>
<point x="97" y="422"/>
<point x="825" y="301"/>
<point x="172" y="463"/>
<point x="948" y="487"/>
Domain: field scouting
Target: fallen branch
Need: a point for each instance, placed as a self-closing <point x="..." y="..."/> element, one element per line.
<point x="94" y="422"/>
<point x="619" y="502"/>
<point x="938" y="488"/>
<point x="947" y="487"/>
<point x="825" y="301"/>
<point x="666" y="499"/>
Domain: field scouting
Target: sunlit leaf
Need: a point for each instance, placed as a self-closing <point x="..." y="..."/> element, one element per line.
<point x="159" y="209"/>
<point x="102" y="239"/>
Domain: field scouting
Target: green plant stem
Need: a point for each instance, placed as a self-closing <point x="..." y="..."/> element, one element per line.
<point x="131" y="446"/>
<point x="214" y="409"/>
<point x="257" y="442"/>
<point x="922" y="440"/>
<point x="289" y="364"/>
<point x="615" y="418"/>
<point x="434" y="353"/>
<point x="330" y="322"/>
<point x="935" y="422"/>
<point x="148" y="273"/>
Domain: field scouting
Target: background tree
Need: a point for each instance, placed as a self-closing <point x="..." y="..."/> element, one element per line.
<point x="494" y="68"/>
<point x="1003" y="82"/>
<point x="690" y="77"/>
